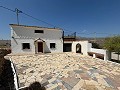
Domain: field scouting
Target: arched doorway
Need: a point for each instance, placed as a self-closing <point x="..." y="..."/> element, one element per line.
<point x="78" y="48"/>
<point x="39" y="46"/>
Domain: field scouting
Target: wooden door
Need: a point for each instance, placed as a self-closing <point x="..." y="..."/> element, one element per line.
<point x="40" y="46"/>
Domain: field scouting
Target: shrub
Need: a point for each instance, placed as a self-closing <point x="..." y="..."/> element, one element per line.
<point x="3" y="52"/>
<point x="2" y="61"/>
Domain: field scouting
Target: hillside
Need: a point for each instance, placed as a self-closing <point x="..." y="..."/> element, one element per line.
<point x="5" y="43"/>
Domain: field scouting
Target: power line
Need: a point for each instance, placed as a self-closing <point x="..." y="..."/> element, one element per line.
<point x="7" y="8"/>
<point x="95" y="33"/>
<point x="17" y="11"/>
<point x="38" y="19"/>
<point x="45" y="22"/>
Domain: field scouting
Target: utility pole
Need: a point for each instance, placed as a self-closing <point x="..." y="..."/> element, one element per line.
<point x="17" y="13"/>
<point x="94" y="37"/>
<point x="75" y="35"/>
<point x="63" y="39"/>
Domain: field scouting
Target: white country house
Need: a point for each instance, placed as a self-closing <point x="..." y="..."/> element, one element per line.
<point x="33" y="39"/>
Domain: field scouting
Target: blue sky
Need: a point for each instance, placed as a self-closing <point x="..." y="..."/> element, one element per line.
<point x="82" y="16"/>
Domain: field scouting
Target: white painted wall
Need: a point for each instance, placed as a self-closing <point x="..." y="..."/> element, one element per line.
<point x="101" y="51"/>
<point x="84" y="46"/>
<point x="59" y="46"/>
<point x="16" y="46"/>
<point x="21" y="34"/>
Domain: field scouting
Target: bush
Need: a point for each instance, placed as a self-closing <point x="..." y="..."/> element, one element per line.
<point x="6" y="77"/>
<point x="96" y="45"/>
<point x="2" y="61"/>
<point x="3" y="52"/>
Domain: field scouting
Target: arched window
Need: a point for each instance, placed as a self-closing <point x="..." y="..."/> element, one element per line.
<point x="78" y="48"/>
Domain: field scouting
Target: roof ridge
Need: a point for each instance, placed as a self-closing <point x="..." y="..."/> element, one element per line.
<point x="33" y="26"/>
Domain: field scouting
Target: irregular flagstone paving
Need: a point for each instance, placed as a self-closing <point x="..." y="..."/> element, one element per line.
<point x="67" y="71"/>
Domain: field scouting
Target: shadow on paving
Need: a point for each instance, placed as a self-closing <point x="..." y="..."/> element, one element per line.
<point x="6" y="77"/>
<point x="114" y="60"/>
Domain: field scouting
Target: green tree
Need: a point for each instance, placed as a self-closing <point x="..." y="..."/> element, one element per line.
<point x="112" y="44"/>
<point x="95" y="45"/>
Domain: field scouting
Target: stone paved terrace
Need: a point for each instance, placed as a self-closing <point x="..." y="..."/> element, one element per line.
<point x="67" y="71"/>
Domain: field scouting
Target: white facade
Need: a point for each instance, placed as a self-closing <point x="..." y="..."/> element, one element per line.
<point x="49" y="39"/>
<point x="85" y="46"/>
<point x="32" y="39"/>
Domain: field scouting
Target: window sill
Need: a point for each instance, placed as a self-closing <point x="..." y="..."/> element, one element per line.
<point x="52" y="48"/>
<point x="26" y="49"/>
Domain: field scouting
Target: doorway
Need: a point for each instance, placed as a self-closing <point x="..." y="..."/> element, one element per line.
<point x="78" y="48"/>
<point x="40" y="47"/>
<point x="67" y="47"/>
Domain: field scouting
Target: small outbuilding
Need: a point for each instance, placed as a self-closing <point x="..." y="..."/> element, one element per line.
<point x="77" y="46"/>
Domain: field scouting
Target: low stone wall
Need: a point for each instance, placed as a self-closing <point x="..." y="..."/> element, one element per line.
<point x="99" y="52"/>
<point x="96" y="55"/>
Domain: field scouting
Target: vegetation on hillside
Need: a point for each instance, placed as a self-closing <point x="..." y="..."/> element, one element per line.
<point x="5" y="43"/>
<point x="6" y="74"/>
<point x="96" y="45"/>
<point x="112" y="44"/>
<point x="3" y="52"/>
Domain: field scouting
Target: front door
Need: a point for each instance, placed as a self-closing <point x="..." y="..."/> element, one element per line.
<point x="40" y="46"/>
